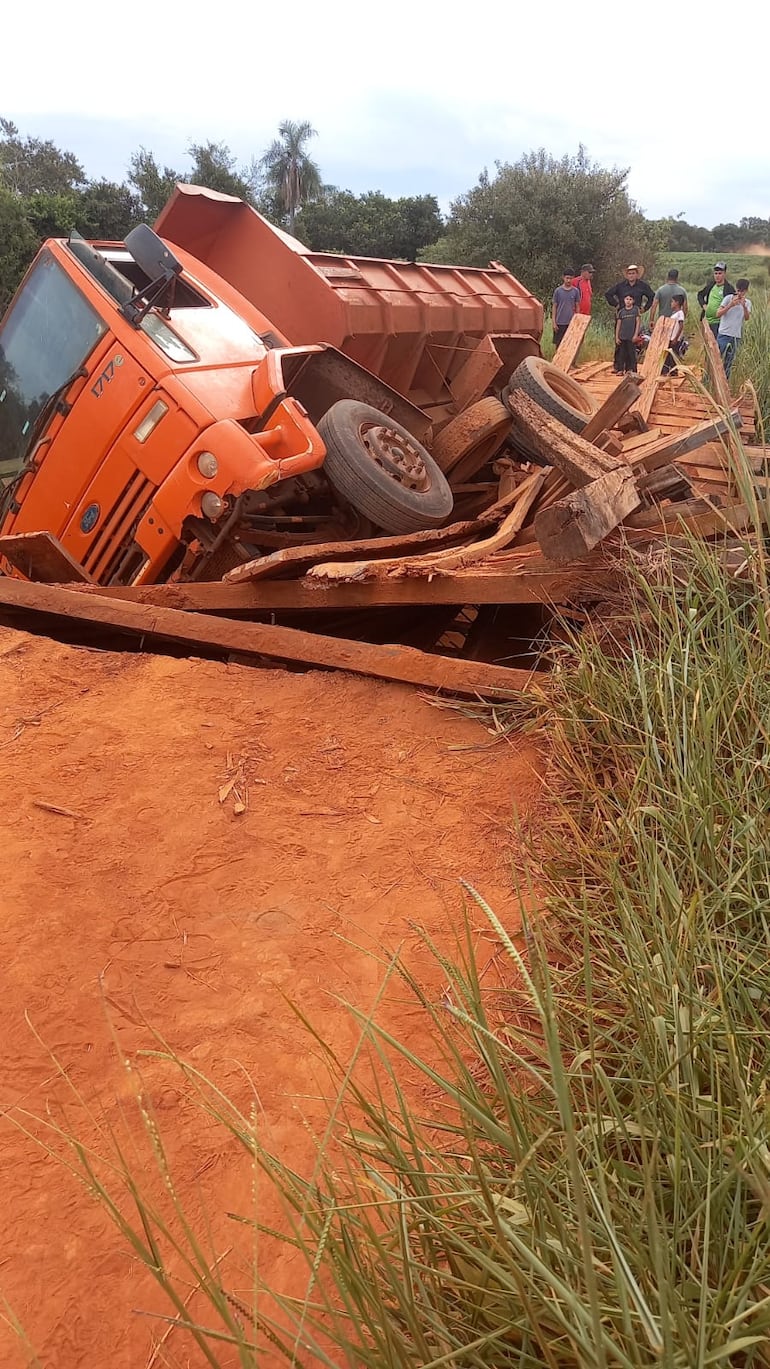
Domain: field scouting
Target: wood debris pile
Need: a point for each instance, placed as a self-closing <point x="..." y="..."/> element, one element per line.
<point x="537" y="491"/>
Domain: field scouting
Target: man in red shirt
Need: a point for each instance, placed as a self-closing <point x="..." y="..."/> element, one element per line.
<point x="584" y="283"/>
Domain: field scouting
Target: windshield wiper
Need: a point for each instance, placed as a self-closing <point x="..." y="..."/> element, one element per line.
<point x="53" y="402"/>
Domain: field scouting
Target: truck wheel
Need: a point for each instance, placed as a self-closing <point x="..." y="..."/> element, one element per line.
<point x="555" y="391"/>
<point x="471" y="439"/>
<point x="382" y="470"/>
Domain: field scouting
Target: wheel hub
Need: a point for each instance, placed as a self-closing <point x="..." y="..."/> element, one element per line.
<point x="394" y="453"/>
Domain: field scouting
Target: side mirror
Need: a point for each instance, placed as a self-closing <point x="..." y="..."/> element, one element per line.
<point x="151" y="253"/>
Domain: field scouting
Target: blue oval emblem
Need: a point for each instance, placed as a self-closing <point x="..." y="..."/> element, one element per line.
<point x="90" y="518"/>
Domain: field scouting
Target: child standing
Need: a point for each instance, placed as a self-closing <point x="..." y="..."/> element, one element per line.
<point x="564" y="306"/>
<point x="676" y="345"/>
<point x="733" y="312"/>
<point x="626" y="329"/>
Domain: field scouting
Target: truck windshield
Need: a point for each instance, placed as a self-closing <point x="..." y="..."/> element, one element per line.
<point x="48" y="333"/>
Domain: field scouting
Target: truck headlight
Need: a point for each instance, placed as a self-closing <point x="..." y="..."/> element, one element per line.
<point x="208" y="465"/>
<point x="212" y="507"/>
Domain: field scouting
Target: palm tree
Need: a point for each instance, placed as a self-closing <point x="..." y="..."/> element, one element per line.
<point x="289" y="173"/>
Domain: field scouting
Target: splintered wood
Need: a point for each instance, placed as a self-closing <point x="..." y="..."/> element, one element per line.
<point x="442" y="562"/>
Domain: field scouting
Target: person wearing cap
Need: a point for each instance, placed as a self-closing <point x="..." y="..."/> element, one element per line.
<point x="564" y="306"/>
<point x="712" y="294"/>
<point x="640" y="290"/>
<point x="584" y="283"/>
<point x="665" y="295"/>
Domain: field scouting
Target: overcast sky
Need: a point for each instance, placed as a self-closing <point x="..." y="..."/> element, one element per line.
<point x="411" y="98"/>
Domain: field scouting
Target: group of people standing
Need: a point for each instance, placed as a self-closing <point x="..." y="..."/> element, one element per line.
<point x="725" y="308"/>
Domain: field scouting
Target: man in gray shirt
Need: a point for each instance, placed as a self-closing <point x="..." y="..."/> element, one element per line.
<point x="662" y="302"/>
<point x="565" y="304"/>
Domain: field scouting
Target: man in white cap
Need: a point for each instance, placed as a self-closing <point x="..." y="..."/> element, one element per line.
<point x="633" y="284"/>
<point x="711" y="296"/>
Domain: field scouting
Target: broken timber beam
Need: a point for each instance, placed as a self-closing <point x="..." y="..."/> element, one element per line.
<point x="41" y="556"/>
<point x="578" y="522"/>
<point x="488" y="584"/>
<point x="617" y="403"/>
<point x="656" y="350"/>
<point x="296" y="560"/>
<point x="567" y="350"/>
<point x="261" y="640"/>
<point x="720" y="388"/>
<point x="439" y="562"/>
<point x="659" y="453"/>
<point x="580" y="461"/>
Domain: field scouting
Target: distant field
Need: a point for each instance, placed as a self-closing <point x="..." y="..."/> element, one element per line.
<point x="696" y="267"/>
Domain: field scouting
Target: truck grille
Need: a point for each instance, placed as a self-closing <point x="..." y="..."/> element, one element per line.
<point x="106" y="558"/>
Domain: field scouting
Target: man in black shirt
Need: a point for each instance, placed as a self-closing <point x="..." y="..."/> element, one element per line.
<point x="640" y="291"/>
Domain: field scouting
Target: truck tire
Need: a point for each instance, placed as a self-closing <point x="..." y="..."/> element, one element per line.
<point x="471" y="439"/>
<point x="555" y="391"/>
<point x="382" y="470"/>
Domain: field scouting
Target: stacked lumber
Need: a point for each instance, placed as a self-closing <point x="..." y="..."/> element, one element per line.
<point x="678" y="401"/>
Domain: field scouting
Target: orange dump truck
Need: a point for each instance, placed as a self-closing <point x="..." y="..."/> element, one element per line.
<point x="164" y="414"/>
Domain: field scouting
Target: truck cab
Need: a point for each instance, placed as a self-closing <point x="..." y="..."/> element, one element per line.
<point x="157" y="425"/>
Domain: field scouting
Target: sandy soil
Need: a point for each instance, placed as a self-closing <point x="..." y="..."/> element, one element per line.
<point x="158" y="907"/>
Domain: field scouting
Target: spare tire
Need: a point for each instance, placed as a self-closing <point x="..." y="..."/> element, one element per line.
<point x="555" y="391"/>
<point x="382" y="470"/>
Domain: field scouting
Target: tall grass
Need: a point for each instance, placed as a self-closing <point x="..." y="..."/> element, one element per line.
<point x="587" y="1182"/>
<point x="753" y="360"/>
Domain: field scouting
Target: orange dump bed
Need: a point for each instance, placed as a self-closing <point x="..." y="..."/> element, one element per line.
<point x="441" y="335"/>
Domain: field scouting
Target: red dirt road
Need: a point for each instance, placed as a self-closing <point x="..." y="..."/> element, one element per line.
<point x="158" y="907"/>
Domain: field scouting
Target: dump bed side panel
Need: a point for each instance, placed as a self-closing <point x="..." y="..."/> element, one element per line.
<point x="413" y="325"/>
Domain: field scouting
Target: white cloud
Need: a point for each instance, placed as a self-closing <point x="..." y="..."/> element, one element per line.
<point x="407" y="97"/>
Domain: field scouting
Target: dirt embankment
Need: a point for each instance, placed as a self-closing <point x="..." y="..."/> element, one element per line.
<point x="160" y="906"/>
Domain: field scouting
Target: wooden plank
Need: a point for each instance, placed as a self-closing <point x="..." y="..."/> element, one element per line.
<point x="40" y="556"/>
<point x="714" y="455"/>
<point x="668" y="449"/>
<point x="657" y="348"/>
<point x="702" y="516"/>
<point x="719" y="385"/>
<point x="630" y="444"/>
<point x="594" y="370"/>
<point x="489" y="583"/>
<point x="400" y="663"/>
<point x="566" y="353"/>
<point x="580" y="461"/>
<point x="296" y="560"/>
<point x="669" y="482"/>
<point x="609" y="443"/>
<point x="617" y="403"/>
<point x="476" y="374"/>
<point x="577" y="523"/>
<point x="656" y="351"/>
<point x="436" y="563"/>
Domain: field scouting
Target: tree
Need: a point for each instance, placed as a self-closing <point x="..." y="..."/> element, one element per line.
<point x="755" y="230"/>
<point x="215" y="167"/>
<point x="728" y="237"/>
<point x="152" y="185"/>
<point x="18" y="244"/>
<point x="290" y="176"/>
<point x="30" y="166"/>
<point x="541" y="215"/>
<point x="370" y="225"/>
<point x="107" y="210"/>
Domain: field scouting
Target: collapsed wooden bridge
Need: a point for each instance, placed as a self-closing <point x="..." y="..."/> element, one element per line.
<point x="535" y="502"/>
